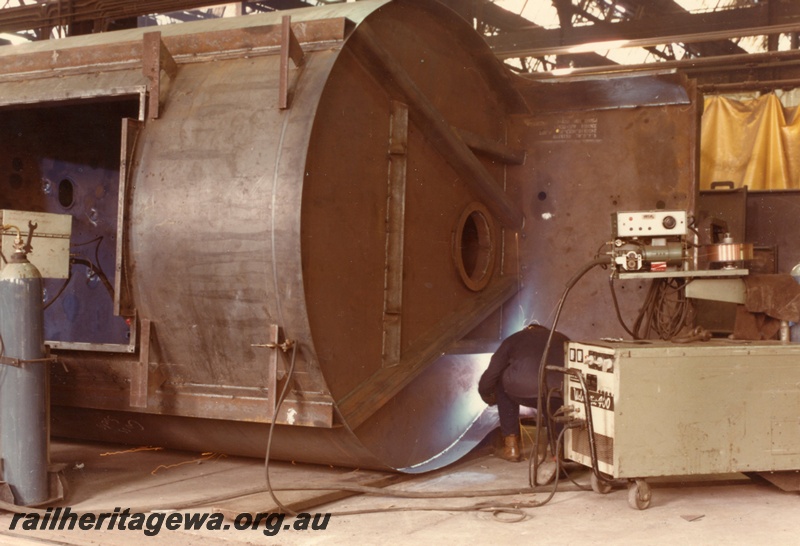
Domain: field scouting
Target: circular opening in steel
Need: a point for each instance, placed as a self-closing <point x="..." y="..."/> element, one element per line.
<point x="66" y="193"/>
<point x="474" y="252"/>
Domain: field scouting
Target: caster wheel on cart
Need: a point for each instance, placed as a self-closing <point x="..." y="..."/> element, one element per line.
<point x="599" y="485"/>
<point x="639" y="495"/>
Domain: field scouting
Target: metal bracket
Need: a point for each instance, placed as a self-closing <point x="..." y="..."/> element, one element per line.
<point x="20" y="363"/>
<point x="290" y="48"/>
<point x="142" y="377"/>
<point x="55" y="484"/>
<point x="6" y="495"/>
<point x="273" y="374"/>
<point x="155" y="58"/>
<point x="395" y="230"/>
<point x="123" y="301"/>
<point x="285" y="346"/>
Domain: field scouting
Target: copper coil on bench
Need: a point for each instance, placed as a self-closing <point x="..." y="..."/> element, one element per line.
<point x="728" y="253"/>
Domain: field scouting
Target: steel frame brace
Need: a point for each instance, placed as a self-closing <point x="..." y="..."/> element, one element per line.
<point x="155" y="58"/>
<point x="290" y="49"/>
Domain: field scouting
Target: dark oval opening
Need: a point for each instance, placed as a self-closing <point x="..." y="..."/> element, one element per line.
<point x="66" y="193"/>
<point x="475" y="252"/>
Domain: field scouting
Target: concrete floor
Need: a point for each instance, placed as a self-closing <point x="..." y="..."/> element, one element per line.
<point x="730" y="509"/>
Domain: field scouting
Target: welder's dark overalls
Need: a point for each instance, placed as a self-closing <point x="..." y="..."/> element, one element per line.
<point x="512" y="378"/>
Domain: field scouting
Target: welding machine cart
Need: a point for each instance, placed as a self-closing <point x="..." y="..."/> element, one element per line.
<point x="672" y="409"/>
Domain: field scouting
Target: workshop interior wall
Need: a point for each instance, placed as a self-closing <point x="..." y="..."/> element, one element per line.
<point x="587" y="158"/>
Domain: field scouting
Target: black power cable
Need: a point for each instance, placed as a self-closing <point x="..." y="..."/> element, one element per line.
<point x="616" y="307"/>
<point x="95" y="270"/>
<point x="93" y="266"/>
<point x="663" y="313"/>
<point x="535" y="459"/>
<point x="278" y="404"/>
<point x="60" y="290"/>
<point x="496" y="509"/>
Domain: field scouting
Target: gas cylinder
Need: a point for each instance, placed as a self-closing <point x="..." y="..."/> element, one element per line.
<point x="23" y="382"/>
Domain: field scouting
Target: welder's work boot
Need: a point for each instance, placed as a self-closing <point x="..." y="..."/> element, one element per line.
<point x="511" y="448"/>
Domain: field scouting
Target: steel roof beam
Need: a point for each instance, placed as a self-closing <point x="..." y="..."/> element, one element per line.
<point x="673" y="28"/>
<point x="54" y="13"/>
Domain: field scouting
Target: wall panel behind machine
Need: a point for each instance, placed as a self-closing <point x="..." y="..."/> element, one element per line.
<point x="595" y="148"/>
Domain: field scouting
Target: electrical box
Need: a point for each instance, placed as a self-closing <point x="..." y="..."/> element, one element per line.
<point x="653" y="223"/>
<point x="50" y="241"/>
<point x="670" y="409"/>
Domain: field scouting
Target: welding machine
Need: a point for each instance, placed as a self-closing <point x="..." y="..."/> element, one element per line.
<point x="670" y="409"/>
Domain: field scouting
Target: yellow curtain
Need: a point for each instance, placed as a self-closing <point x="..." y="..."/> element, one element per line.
<point x="754" y="143"/>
